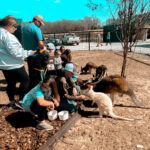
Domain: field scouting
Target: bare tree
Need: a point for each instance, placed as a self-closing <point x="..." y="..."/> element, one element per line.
<point x="64" y="25"/>
<point x="109" y="21"/>
<point x="130" y="17"/>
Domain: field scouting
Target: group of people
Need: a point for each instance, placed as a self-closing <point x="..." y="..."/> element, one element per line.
<point x="39" y="91"/>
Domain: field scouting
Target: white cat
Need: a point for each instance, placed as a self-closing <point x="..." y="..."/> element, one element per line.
<point x="103" y="102"/>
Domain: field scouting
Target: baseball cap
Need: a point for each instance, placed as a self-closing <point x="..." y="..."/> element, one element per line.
<point x="70" y="67"/>
<point x="51" y="46"/>
<point x="39" y="18"/>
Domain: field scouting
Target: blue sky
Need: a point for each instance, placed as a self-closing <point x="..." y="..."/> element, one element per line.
<point x="51" y="10"/>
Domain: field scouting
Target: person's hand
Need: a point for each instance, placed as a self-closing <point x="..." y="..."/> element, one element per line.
<point x="48" y="67"/>
<point x="82" y="97"/>
<point x="51" y="106"/>
<point x="55" y="102"/>
<point x="33" y="52"/>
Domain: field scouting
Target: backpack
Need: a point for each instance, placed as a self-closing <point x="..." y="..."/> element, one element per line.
<point x="40" y="59"/>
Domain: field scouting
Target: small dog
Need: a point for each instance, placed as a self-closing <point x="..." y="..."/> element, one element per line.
<point x="103" y="102"/>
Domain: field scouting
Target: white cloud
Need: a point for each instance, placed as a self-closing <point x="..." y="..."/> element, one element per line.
<point x="57" y="1"/>
<point x="12" y="11"/>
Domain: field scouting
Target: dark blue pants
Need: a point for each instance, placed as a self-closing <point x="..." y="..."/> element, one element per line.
<point x="41" y="111"/>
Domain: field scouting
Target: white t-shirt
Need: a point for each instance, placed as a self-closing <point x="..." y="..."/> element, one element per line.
<point x="57" y="63"/>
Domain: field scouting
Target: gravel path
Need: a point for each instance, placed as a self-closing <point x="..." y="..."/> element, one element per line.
<point x="142" y="47"/>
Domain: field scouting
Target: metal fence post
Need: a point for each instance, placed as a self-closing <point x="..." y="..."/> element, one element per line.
<point x="89" y="39"/>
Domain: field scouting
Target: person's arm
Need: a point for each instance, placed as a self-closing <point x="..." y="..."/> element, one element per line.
<point x="42" y="102"/>
<point x="14" y="47"/>
<point x="41" y="44"/>
<point x="39" y="37"/>
<point x="74" y="91"/>
<point x="56" y="102"/>
<point x="70" y="97"/>
<point x="66" y="94"/>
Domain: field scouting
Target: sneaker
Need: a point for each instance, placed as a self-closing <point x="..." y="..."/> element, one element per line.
<point x="44" y="126"/>
<point x="12" y="106"/>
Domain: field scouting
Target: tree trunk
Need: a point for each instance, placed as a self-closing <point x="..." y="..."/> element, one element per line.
<point x="124" y="60"/>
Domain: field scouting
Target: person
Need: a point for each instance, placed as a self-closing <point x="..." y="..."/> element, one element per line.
<point x="57" y="62"/>
<point x="38" y="100"/>
<point x="32" y="34"/>
<point x="99" y="40"/>
<point x="50" y="68"/>
<point x="62" y="49"/>
<point x="39" y="63"/>
<point x="12" y="57"/>
<point x="50" y="47"/>
<point x="108" y="39"/>
<point x="33" y="39"/>
<point x="66" y="57"/>
<point x="68" y="89"/>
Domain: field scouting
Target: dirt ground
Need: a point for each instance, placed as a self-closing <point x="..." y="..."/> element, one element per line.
<point x="94" y="133"/>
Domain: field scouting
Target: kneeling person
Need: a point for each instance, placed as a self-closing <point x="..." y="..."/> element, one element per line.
<point x="68" y="89"/>
<point x="39" y="99"/>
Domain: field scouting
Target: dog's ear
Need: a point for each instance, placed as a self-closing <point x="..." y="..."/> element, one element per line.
<point x="90" y="86"/>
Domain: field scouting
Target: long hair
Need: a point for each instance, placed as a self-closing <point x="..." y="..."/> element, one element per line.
<point x="8" y="21"/>
<point x="61" y="49"/>
<point x="66" y="57"/>
<point x="52" y="83"/>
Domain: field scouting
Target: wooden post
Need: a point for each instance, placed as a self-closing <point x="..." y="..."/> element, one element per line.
<point x="54" y="139"/>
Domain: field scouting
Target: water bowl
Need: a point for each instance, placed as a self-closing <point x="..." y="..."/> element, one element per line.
<point x="52" y="115"/>
<point x="63" y="115"/>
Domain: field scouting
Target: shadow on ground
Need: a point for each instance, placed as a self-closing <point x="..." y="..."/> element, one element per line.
<point x="21" y="120"/>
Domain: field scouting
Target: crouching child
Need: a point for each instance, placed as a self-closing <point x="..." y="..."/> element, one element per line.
<point x="68" y="90"/>
<point x="42" y="97"/>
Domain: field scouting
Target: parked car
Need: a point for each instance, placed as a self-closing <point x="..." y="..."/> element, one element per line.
<point x="70" y="38"/>
<point x="54" y="39"/>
